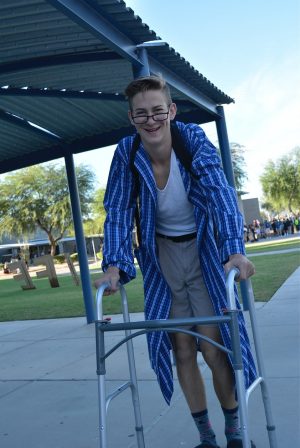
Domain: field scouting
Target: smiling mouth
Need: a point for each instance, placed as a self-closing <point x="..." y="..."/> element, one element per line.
<point x="152" y="129"/>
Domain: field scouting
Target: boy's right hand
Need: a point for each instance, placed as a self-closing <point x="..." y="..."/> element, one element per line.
<point x="111" y="276"/>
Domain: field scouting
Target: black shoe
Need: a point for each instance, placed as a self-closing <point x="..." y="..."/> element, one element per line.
<point x="206" y="445"/>
<point x="238" y="443"/>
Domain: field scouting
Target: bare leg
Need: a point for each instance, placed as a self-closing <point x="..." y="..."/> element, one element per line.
<point x="218" y="363"/>
<point x="190" y="378"/>
<point x="189" y="375"/>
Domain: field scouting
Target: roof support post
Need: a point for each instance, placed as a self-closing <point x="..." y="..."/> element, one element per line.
<point x="142" y="70"/>
<point x="80" y="241"/>
<point x="224" y="146"/>
<point x="228" y="169"/>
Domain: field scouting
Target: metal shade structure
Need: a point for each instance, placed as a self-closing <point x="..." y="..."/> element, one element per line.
<point x="64" y="65"/>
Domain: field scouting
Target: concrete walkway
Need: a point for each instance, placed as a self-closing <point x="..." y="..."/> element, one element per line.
<point x="273" y="252"/>
<point x="48" y="385"/>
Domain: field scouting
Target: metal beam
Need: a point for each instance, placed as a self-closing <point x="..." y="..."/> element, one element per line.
<point x="151" y="65"/>
<point x="56" y="60"/>
<point x="55" y="93"/>
<point x="42" y="155"/>
<point x="89" y="18"/>
<point x="22" y="123"/>
<point x="178" y="83"/>
<point x="74" y="94"/>
<point x="138" y="71"/>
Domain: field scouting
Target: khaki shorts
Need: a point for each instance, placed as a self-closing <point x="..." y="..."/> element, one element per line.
<point x="181" y="269"/>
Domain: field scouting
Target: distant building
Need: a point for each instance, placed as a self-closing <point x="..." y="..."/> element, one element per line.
<point x="37" y="244"/>
<point x="251" y="210"/>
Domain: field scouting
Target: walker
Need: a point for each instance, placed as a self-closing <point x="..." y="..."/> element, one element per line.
<point x="175" y="325"/>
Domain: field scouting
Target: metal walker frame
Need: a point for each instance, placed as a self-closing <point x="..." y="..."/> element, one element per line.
<point x="172" y="326"/>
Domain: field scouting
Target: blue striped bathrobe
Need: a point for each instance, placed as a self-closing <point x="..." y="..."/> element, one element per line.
<point x="215" y="208"/>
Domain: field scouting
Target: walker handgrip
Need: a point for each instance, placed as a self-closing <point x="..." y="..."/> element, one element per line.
<point x="232" y="275"/>
<point x="99" y="297"/>
<point x="236" y="271"/>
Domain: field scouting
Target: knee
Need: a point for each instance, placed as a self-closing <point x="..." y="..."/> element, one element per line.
<point x="214" y="358"/>
<point x="184" y="354"/>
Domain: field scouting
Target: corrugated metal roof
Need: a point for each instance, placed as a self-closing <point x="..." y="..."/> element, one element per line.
<point x="57" y="57"/>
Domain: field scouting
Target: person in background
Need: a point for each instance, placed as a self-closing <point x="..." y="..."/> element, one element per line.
<point x="5" y="268"/>
<point x="297" y="223"/>
<point x="191" y="234"/>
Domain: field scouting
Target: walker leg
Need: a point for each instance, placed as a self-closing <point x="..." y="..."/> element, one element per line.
<point x="237" y="359"/>
<point x="243" y="411"/>
<point x="133" y="376"/>
<point x="237" y="362"/>
<point x="135" y="397"/>
<point x="261" y="368"/>
<point x="102" y="412"/>
<point x="100" y="360"/>
<point x="269" y="416"/>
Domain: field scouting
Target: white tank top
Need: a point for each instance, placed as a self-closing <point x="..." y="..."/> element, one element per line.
<point x="175" y="214"/>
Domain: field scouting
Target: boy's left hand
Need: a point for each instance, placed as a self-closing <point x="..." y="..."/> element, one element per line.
<point x="241" y="262"/>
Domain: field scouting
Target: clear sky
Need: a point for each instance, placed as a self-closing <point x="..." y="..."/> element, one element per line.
<point x="248" y="49"/>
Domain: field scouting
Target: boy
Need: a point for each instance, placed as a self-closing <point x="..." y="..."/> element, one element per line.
<point x="182" y="261"/>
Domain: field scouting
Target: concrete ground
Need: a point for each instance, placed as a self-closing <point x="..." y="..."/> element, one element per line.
<point x="48" y="385"/>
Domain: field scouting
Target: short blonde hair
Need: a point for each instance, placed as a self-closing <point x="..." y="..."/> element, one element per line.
<point x="147" y="83"/>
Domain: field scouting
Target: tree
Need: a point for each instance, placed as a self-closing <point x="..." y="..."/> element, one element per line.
<point x="269" y="208"/>
<point x="239" y="166"/>
<point x="38" y="196"/>
<point x="94" y="225"/>
<point x="281" y="182"/>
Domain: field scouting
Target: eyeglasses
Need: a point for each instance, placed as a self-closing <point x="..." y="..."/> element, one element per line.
<point x="142" y="119"/>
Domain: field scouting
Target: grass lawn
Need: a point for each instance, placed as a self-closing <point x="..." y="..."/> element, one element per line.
<point x="271" y="272"/>
<point x="66" y="301"/>
<point x="45" y="302"/>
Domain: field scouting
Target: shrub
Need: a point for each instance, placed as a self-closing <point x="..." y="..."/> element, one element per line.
<point x="59" y="259"/>
<point x="74" y="257"/>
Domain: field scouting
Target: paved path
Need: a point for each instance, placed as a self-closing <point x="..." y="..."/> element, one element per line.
<point x="273" y="252"/>
<point x="48" y="386"/>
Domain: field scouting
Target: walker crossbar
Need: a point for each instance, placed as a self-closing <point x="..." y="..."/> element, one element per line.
<point x="172" y="326"/>
<point x="169" y="330"/>
<point x="163" y="323"/>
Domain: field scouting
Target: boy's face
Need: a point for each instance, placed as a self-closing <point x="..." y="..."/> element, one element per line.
<point x="152" y="102"/>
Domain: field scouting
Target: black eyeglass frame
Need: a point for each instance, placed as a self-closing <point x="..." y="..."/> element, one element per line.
<point x="151" y="116"/>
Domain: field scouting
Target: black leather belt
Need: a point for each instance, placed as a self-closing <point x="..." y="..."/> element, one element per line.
<point x="180" y="238"/>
